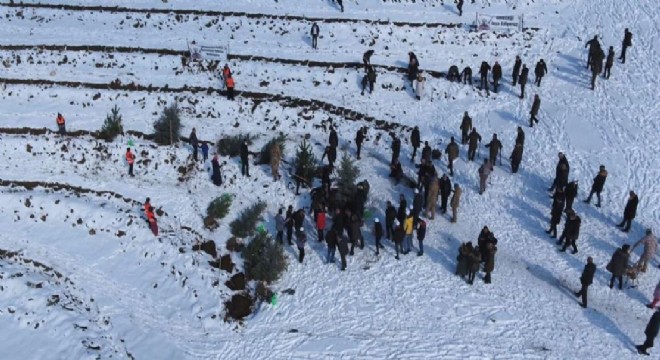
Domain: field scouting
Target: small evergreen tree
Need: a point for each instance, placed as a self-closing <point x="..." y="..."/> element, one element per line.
<point x="264" y="155"/>
<point x="245" y="224"/>
<point x="264" y="258"/>
<point x="217" y="209"/>
<point x="113" y="125"/>
<point x="168" y="125"/>
<point x="305" y="163"/>
<point x="347" y="174"/>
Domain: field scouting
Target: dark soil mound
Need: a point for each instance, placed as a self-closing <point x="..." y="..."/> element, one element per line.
<point x="226" y="264"/>
<point x="239" y="306"/>
<point x="237" y="282"/>
<point x="207" y="247"/>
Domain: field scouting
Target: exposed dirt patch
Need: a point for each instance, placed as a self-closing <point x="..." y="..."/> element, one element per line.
<point x="239" y="306"/>
<point x="237" y="282"/>
<point x="207" y="247"/>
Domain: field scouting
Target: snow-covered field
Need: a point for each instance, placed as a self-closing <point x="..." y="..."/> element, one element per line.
<point x="82" y="277"/>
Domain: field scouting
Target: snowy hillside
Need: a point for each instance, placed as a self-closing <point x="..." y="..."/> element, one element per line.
<point x="83" y="277"/>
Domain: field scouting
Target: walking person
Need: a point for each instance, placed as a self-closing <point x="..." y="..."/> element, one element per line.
<point x="650" y="248"/>
<point x="459" y="6"/>
<point x="489" y="266"/>
<point x="61" y="124"/>
<point x="562" y="170"/>
<point x="586" y="279"/>
<point x="497" y="75"/>
<point x="516" y="157"/>
<point x="419" y="87"/>
<point x="130" y="159"/>
<point x="474" y="140"/>
<point x="301" y="239"/>
<point x="331" y="240"/>
<point x="205" y="151"/>
<point x="466" y="126"/>
<point x="522" y="80"/>
<point x="378" y="234"/>
<point x="245" y="163"/>
<point x="230" y="87"/>
<point x="421" y="234"/>
<point x="452" y="154"/>
<point x="315" y="34"/>
<point x="571" y="192"/>
<point x="609" y="63"/>
<point x="484" y="172"/>
<point x="366" y="59"/>
<point x="540" y="70"/>
<point x="390" y="216"/>
<point x="627" y="42"/>
<point x="494" y="148"/>
<point x="397" y="235"/>
<point x="597" y="186"/>
<point x="279" y="226"/>
<point x="516" y="70"/>
<point x="359" y="139"/>
<point x="319" y="216"/>
<point x="415" y="141"/>
<point x="593" y="44"/>
<point x="483" y="74"/>
<point x="629" y="212"/>
<point x="536" y="106"/>
<point x="651" y="332"/>
<point x="194" y="143"/>
<point x="455" y="202"/>
<point x="343" y="249"/>
<point x="341" y="4"/>
<point x="618" y="265"/>
<point x="558" y="201"/>
<point x="571" y="232"/>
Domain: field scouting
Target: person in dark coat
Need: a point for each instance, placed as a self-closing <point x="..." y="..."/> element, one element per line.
<point x="396" y="171"/>
<point x="571" y="232"/>
<point x="466" y="126"/>
<point x="288" y="222"/>
<point x="463" y="259"/>
<point x="459" y="6"/>
<point x="301" y="239"/>
<point x="366" y="59"/>
<point x="596" y="65"/>
<point x="494" y="148"/>
<point x="359" y="139"/>
<point x="489" y="265"/>
<point x="474" y="139"/>
<point x="445" y="191"/>
<point x="466" y="75"/>
<point x="522" y="80"/>
<point x="540" y="70"/>
<point x="561" y="172"/>
<point x="341" y="5"/>
<point x="651" y="332"/>
<point x="396" y="148"/>
<point x="331" y="240"/>
<point x="484" y="237"/>
<point x="205" y="151"/>
<point x="516" y="157"/>
<point x="415" y="141"/>
<point x="571" y="191"/>
<point x="483" y="76"/>
<point x="426" y="152"/>
<point x="355" y="234"/>
<point x="194" y="143"/>
<point x="558" y="201"/>
<point x="452" y="154"/>
<point x="343" y="250"/>
<point x="245" y="163"/>
<point x="413" y="66"/>
<point x="629" y="212"/>
<point x="331" y="153"/>
<point x="333" y="139"/>
<point x="586" y="279"/>
<point x="597" y="186"/>
<point x="536" y="106"/>
<point x="609" y="63"/>
<point x="453" y="74"/>
<point x="401" y="212"/>
<point x="474" y="261"/>
<point x="520" y="137"/>
<point x="397" y="235"/>
<point x="417" y="204"/>
<point x="421" y="234"/>
<point x="618" y="265"/>
<point x="390" y="216"/>
<point x="497" y="75"/>
<point x="315" y="34"/>
<point x="593" y="44"/>
<point x="216" y="175"/>
<point x="627" y="42"/>
<point x="378" y="234"/>
<point x="516" y="70"/>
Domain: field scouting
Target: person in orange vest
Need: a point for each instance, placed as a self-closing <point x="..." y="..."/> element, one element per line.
<point x="226" y="73"/>
<point x="61" y="124"/>
<point x="130" y="159"/>
<point x="147" y="205"/>
<point x="152" y="220"/>
<point x="230" y="88"/>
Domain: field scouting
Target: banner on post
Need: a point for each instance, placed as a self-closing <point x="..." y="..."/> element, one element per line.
<point x="499" y="22"/>
<point x="204" y="52"/>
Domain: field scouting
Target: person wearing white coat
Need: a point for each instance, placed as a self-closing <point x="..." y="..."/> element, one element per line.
<point x="419" y="88"/>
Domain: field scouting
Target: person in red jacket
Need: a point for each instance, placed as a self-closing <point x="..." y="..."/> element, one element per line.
<point x="320" y="223"/>
<point x="153" y="225"/>
<point x="61" y="124"/>
<point x="230" y="88"/>
<point x="130" y="159"/>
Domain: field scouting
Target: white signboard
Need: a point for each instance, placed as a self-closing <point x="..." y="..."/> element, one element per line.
<point x="204" y="52"/>
<point x="499" y="22"/>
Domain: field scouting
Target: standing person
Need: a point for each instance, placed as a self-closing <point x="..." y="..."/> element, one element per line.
<point x="597" y="186"/>
<point x="426" y="152"/>
<point x="516" y="70"/>
<point x="483" y="76"/>
<point x="61" y="124"/>
<point x="397" y="235"/>
<point x="415" y="141"/>
<point x="609" y="62"/>
<point x="205" y="151"/>
<point x="516" y="157"/>
<point x="561" y="172"/>
<point x="341" y="5"/>
<point x="484" y="172"/>
<point x="151" y="217"/>
<point x="301" y="239"/>
<point x="359" y="139"/>
<point x="355" y="233"/>
<point x="522" y="80"/>
<point x="571" y="192"/>
<point x="489" y="266"/>
<point x="497" y="75"/>
<point x="331" y="239"/>
<point x="466" y="75"/>
<point x="432" y="197"/>
<point x="194" y="143"/>
<point x="650" y="247"/>
<point x="408" y="227"/>
<point x="275" y="158"/>
<point x="536" y="106"/>
<point x="593" y="44"/>
<point x="571" y="232"/>
<point x="494" y="148"/>
<point x="558" y="201"/>
<point x="216" y="175"/>
<point x="627" y="42"/>
<point x="417" y="204"/>
<point x="474" y="260"/>
<point x="333" y="139"/>
<point x="445" y="190"/>
<point x="288" y="221"/>
<point x="656" y="297"/>
<point x="369" y="79"/>
<point x="419" y="88"/>
<point x="279" y="226"/>
<point x="378" y="234"/>
<point x="413" y="66"/>
<point x="629" y="212"/>
<point x="651" y="332"/>
<point x="540" y="70"/>
<point x="366" y="59"/>
<point x="618" y="265"/>
<point x="455" y="202"/>
<point x="452" y="154"/>
<point x="459" y="6"/>
<point x="343" y="249"/>
<point x="396" y="148"/>
<point x="245" y="163"/>
<point x="130" y="159"/>
<point x="390" y="216"/>
<point x="466" y="126"/>
<point x="596" y="65"/>
<point x="586" y="279"/>
<point x="226" y="73"/>
<point x="315" y="35"/>
<point x="230" y="88"/>
<point x="520" y="137"/>
<point x="474" y="139"/>
<point x="421" y="234"/>
<point x="320" y="223"/>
